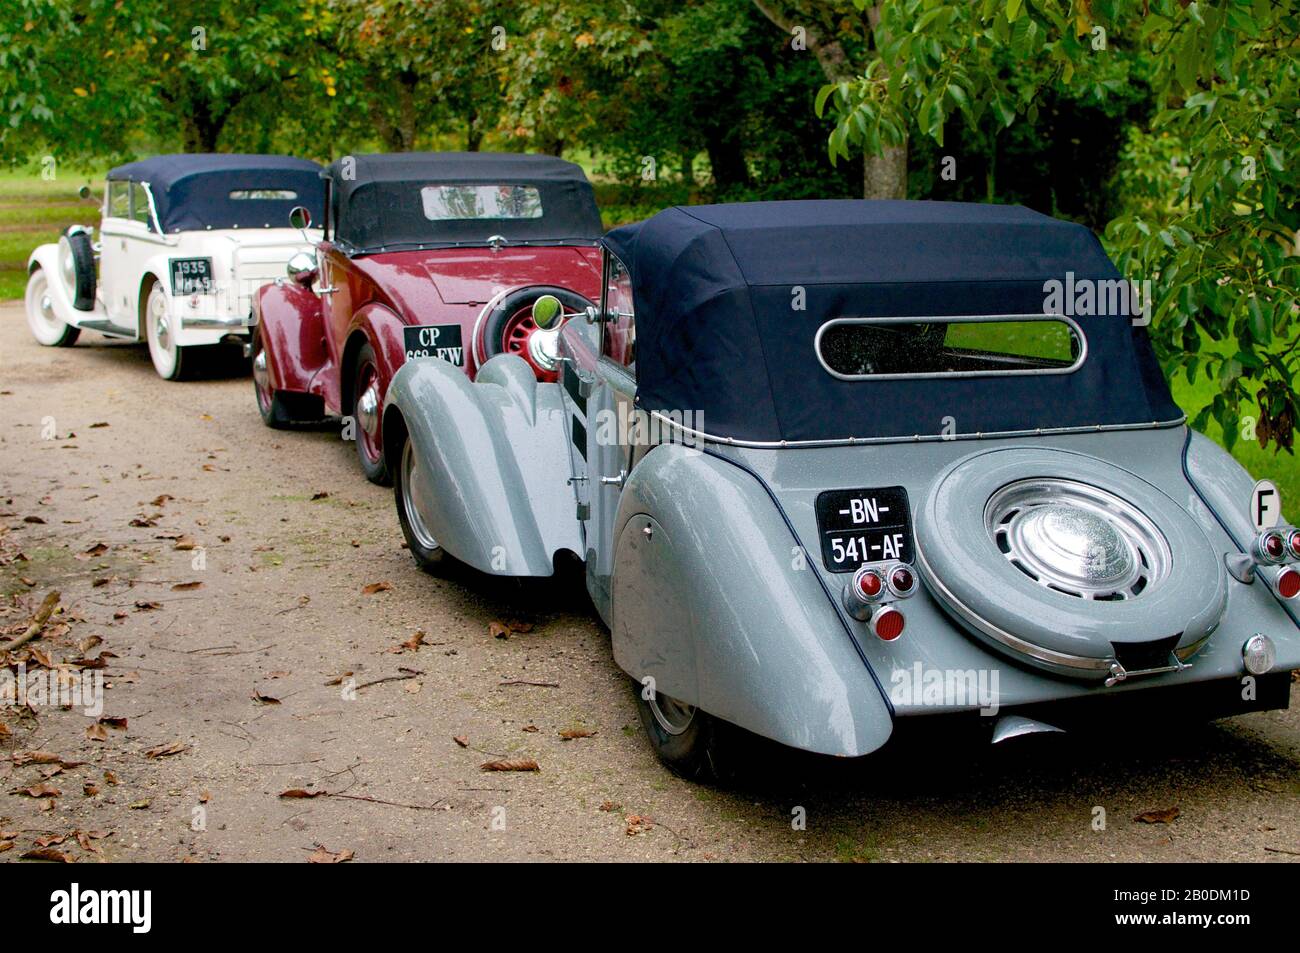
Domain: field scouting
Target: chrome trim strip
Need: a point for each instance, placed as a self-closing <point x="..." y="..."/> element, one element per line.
<point x="953" y="319"/>
<point x="915" y="438"/>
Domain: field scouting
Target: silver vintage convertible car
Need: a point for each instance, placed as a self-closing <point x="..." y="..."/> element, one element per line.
<point x="834" y="466"/>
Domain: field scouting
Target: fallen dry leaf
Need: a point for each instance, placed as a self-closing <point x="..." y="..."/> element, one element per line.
<point x="568" y="734"/>
<point x="638" y="824"/>
<point x="139" y="805"/>
<point x="90" y="789"/>
<point x="48" y="853"/>
<point x="41" y="790"/>
<point x="261" y="699"/>
<point x="186" y="586"/>
<point x="113" y="721"/>
<point x="96" y="732"/>
<point x="111" y="777"/>
<point x="297" y="793"/>
<point x="97" y="550"/>
<point x="50" y="840"/>
<point x="185" y="543"/>
<point x="35" y="757"/>
<point x="1165" y="816"/>
<point x="530" y="728"/>
<point x="413" y="687"/>
<point x="164" y="750"/>
<point x="461" y="740"/>
<point x="511" y="764"/>
<point x="374" y="587"/>
<point x="88" y="643"/>
<point x="320" y="495"/>
<point x="610" y="806"/>
<point x="323" y="856"/>
<point x="410" y="645"/>
<point x="143" y="605"/>
<point x="6" y="845"/>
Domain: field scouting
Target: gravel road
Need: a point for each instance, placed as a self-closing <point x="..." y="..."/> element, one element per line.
<point x="111" y="475"/>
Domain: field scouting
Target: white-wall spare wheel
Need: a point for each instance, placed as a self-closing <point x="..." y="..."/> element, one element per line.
<point x="1069" y="564"/>
<point x="46" y="326"/>
<point x="77" y="267"/>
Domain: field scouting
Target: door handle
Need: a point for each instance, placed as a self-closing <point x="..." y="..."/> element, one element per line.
<point x="614" y="480"/>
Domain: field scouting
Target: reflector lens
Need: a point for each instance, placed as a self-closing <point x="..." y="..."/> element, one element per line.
<point x="1288" y="584"/>
<point x="888" y="624"/>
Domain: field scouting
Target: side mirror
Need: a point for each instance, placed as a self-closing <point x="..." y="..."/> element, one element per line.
<point x="300" y="218"/>
<point x="83" y="192"/>
<point x="301" y="267"/>
<point x="547" y="311"/>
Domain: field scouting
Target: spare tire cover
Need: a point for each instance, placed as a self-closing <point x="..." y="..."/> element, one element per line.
<point x="999" y="533"/>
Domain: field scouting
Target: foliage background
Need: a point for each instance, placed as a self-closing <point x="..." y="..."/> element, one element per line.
<point x="1167" y="126"/>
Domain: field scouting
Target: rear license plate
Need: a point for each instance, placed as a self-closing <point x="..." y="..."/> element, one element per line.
<point x="435" y="340"/>
<point x="864" y="526"/>
<point x="191" y="276"/>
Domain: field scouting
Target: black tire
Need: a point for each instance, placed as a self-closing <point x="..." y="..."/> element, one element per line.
<point x="706" y="750"/>
<point x="79" y="266"/>
<point x="370" y="447"/>
<point x="433" y="559"/>
<point x="509" y="305"/>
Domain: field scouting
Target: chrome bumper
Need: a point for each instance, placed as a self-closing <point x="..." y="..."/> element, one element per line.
<point x="232" y="324"/>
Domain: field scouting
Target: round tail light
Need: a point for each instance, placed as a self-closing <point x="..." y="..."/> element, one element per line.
<point x="1270" y="547"/>
<point x="1293" y="543"/>
<point x="902" y="581"/>
<point x="869" y="584"/>
<point x="887" y="623"/>
<point x="1288" y="583"/>
<point x="1258" y="654"/>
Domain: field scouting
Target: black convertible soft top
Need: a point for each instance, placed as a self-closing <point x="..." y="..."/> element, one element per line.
<point x="716" y="290"/>
<point x="376" y="202"/>
<point x="199" y="191"/>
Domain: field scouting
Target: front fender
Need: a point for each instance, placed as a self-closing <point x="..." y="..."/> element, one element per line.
<point x="718" y="604"/>
<point x="289" y="321"/>
<point x="495" y="462"/>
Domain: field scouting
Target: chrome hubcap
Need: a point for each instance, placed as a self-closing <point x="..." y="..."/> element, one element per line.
<point x="411" y="473"/>
<point x="1077" y="539"/>
<point x="673" y="716"/>
<point x="368" y="409"/>
<point x="47" y="307"/>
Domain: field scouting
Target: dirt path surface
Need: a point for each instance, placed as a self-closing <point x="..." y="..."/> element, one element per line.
<point x="286" y="535"/>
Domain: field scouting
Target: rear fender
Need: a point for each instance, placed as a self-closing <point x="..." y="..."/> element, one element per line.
<point x="292" y="329"/>
<point x="495" y="458"/>
<point x="717" y="603"/>
<point x="380" y="327"/>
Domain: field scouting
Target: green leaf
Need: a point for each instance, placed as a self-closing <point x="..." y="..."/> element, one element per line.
<point x="1013" y="10"/>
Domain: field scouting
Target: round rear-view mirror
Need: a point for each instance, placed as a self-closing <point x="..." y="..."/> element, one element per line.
<point x="547" y="311"/>
<point x="84" y="192"/>
<point x="299" y="217"/>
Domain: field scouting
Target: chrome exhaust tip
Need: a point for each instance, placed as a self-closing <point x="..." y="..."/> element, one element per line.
<point x="1013" y="726"/>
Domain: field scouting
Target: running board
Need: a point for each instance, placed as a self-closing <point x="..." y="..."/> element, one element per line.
<point x="108" y="328"/>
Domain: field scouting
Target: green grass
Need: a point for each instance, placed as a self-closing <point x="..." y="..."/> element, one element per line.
<point x="33" y="211"/>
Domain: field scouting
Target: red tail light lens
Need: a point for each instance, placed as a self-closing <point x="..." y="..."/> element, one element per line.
<point x="870" y="585"/>
<point x="1293" y="543"/>
<point x="902" y="581"/>
<point x="1270" y="546"/>
<point x="887" y="623"/>
<point x="1288" y="583"/>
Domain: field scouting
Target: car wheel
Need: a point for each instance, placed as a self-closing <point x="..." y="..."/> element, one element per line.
<point x="365" y="411"/>
<point x="45" y="325"/>
<point x="407" y="478"/>
<point x="269" y="404"/>
<point x="168" y="357"/>
<point x="690" y="742"/>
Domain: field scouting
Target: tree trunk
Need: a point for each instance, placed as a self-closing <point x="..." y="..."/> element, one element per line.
<point x="885" y="176"/>
<point x="727" y="159"/>
<point x="688" y="168"/>
<point x="202" y="125"/>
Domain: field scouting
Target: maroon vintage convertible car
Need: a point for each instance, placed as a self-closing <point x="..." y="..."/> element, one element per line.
<point x="425" y="255"/>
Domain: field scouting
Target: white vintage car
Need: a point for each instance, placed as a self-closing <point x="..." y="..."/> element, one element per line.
<point x="185" y="242"/>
